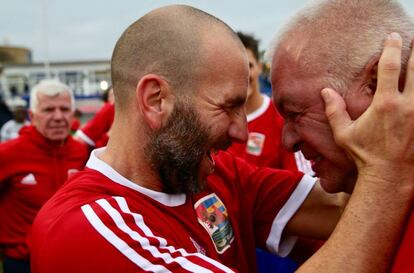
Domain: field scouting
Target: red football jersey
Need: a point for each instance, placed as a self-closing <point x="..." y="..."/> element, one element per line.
<point x="95" y="132"/>
<point x="31" y="171"/>
<point x="101" y="222"/>
<point x="264" y="146"/>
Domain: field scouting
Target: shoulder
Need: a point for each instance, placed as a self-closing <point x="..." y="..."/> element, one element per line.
<point x="12" y="146"/>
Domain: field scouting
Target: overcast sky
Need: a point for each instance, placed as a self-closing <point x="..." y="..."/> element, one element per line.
<point x="88" y="29"/>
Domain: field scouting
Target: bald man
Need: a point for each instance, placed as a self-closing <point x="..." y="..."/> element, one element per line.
<point x="163" y="196"/>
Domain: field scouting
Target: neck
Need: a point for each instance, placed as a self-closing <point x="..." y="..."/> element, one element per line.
<point x="253" y="102"/>
<point x="129" y="159"/>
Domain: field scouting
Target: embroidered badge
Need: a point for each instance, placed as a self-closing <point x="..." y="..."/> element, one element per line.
<point x="255" y="143"/>
<point x="213" y="216"/>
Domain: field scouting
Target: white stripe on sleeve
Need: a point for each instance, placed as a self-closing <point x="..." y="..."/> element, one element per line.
<point x="274" y="242"/>
<point x="84" y="137"/>
<point x="119" y="244"/>
<point x="145" y="244"/>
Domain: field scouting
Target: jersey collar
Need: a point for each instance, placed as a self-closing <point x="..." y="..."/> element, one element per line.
<point x="95" y="163"/>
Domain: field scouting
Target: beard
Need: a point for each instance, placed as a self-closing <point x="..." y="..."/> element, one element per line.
<point x="177" y="150"/>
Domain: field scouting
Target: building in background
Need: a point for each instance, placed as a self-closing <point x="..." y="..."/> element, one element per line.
<point x="87" y="78"/>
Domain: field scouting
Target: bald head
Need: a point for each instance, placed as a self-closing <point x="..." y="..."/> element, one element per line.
<point x="337" y="38"/>
<point x="167" y="42"/>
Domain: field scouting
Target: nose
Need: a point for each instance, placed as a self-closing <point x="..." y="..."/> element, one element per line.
<point x="290" y="138"/>
<point x="57" y="114"/>
<point x="238" y="128"/>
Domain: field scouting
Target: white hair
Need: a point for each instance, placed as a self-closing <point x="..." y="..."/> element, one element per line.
<point x="339" y="37"/>
<point x="15" y="103"/>
<point x="49" y="88"/>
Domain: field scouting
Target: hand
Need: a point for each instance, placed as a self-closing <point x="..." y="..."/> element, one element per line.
<point x="381" y="140"/>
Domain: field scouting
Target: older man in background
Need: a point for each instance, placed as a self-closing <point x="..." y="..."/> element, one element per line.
<point x="33" y="166"/>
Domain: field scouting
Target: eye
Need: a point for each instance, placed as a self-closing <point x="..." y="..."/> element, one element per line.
<point x="292" y="116"/>
<point x="65" y="109"/>
<point x="48" y="110"/>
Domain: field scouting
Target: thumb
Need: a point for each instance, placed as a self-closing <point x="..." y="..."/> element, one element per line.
<point x="335" y="110"/>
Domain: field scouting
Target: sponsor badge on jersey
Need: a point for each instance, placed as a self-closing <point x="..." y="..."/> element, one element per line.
<point x="213" y="216"/>
<point x="255" y="143"/>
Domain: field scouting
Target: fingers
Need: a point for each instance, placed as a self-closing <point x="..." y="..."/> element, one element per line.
<point x="336" y="113"/>
<point x="390" y="65"/>
<point x="409" y="79"/>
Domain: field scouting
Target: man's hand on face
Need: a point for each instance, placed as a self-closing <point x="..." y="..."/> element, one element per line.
<point x="381" y="140"/>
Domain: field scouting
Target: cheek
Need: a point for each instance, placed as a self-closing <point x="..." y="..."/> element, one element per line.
<point x="317" y="134"/>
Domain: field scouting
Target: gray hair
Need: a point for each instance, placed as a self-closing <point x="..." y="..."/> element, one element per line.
<point x="338" y="38"/>
<point x="49" y="88"/>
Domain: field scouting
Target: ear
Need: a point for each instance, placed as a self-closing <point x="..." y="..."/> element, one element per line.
<point x="30" y="113"/>
<point x="362" y="90"/>
<point x="154" y="100"/>
<point x="370" y="75"/>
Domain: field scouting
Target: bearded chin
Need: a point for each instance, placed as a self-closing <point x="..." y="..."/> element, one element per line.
<point x="176" y="151"/>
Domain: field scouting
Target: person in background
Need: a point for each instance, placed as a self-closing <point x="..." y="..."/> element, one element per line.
<point x="76" y="121"/>
<point x="5" y="113"/>
<point x="264" y="148"/>
<point x="264" y="145"/>
<point x="337" y="44"/>
<point x="33" y="166"/>
<point x="11" y="128"/>
<point x="95" y="132"/>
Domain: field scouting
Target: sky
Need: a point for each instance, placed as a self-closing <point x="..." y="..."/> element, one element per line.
<point x="62" y="30"/>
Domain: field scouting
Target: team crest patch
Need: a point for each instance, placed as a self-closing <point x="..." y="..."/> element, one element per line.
<point x="255" y="143"/>
<point x="213" y="216"/>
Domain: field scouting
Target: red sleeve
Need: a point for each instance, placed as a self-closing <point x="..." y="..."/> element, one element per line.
<point x="98" y="126"/>
<point x="289" y="161"/>
<point x="271" y="196"/>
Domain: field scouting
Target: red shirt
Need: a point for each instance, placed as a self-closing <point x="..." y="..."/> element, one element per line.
<point x="101" y="222"/>
<point x="31" y="171"/>
<point x="95" y="132"/>
<point x="404" y="261"/>
<point x="264" y="146"/>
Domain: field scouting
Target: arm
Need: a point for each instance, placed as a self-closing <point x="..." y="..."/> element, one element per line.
<point x="99" y="125"/>
<point x="382" y="145"/>
<point x="318" y="215"/>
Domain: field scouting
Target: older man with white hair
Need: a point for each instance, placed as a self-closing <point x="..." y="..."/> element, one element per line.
<point x="34" y="165"/>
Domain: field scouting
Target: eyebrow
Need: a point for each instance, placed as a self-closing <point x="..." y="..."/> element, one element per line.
<point x="235" y="101"/>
